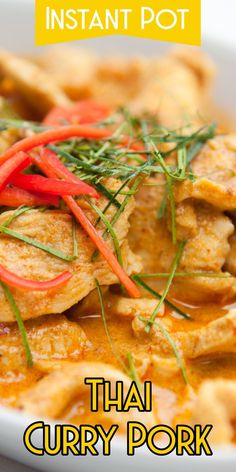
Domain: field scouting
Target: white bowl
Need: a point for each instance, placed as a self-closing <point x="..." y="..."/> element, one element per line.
<point x="17" y="33"/>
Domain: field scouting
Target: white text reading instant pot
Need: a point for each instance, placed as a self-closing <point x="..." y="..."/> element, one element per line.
<point x="86" y="19"/>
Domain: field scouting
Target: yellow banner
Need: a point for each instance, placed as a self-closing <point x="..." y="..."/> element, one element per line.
<point x="176" y="21"/>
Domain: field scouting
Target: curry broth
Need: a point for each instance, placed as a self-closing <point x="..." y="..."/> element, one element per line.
<point x="172" y="396"/>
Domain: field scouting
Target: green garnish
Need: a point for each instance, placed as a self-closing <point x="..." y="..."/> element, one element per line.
<point x="172" y="343"/>
<point x="133" y="188"/>
<point x="176" y="173"/>
<point x="20" y="323"/>
<point x="114" y="167"/>
<point x="144" y="128"/>
<point x="153" y="292"/>
<point x="75" y="239"/>
<point x="117" y="192"/>
<point x="37" y="244"/>
<point x="110" y="340"/>
<point x="172" y="206"/>
<point x="110" y="230"/>
<point x="174" y="266"/>
<point x="19" y="211"/>
<point x="162" y="209"/>
<point x="22" y="124"/>
<point x="202" y="135"/>
<point x="182" y="161"/>
<point x="107" y="193"/>
<point x="133" y="372"/>
<point x="119" y="211"/>
<point x="187" y="274"/>
<point x="194" y="150"/>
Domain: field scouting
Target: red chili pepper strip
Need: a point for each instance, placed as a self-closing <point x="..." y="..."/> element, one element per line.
<point x="18" y="282"/>
<point x="37" y="183"/>
<point x="57" y="116"/>
<point x="89" y="111"/>
<point x="48" y="156"/>
<point x="93" y="234"/>
<point x="82" y="112"/>
<point x="14" y="197"/>
<point x="11" y="167"/>
<point x="61" y="134"/>
<point x="102" y="247"/>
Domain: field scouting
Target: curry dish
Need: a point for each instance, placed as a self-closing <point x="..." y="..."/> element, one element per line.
<point x="117" y="237"/>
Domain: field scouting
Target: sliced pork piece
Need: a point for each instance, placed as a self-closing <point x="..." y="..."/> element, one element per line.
<point x="199" y="62"/>
<point x="207" y="237"/>
<point x="149" y="237"/>
<point x="216" y="405"/>
<point x="8" y="137"/>
<point x="65" y="381"/>
<point x="128" y="307"/>
<point x="215" y="171"/>
<point x="217" y="336"/>
<point x="174" y="90"/>
<point x="121" y="306"/>
<point x="55" y="228"/>
<point x="36" y="86"/>
<point x="72" y="69"/>
<point x="173" y="87"/>
<point x="230" y="263"/>
<point x="50" y="337"/>
<point x="164" y="367"/>
<point x="206" y="231"/>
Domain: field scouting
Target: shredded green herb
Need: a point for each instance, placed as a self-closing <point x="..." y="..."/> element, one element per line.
<point x="133" y="188"/>
<point x="144" y="127"/>
<point x="110" y="230"/>
<point x="187" y="274"/>
<point x="107" y="331"/>
<point x="153" y="292"/>
<point x="19" y="211"/>
<point x="93" y="168"/>
<point x="107" y="193"/>
<point x="172" y="343"/>
<point x="202" y="135"/>
<point x="22" y="124"/>
<point x="117" y="192"/>
<point x="133" y="372"/>
<point x="20" y="323"/>
<point x="182" y="161"/>
<point x="172" y="206"/>
<point x="175" y="173"/>
<point x="174" y="266"/>
<point x="119" y="212"/>
<point x="75" y="239"/>
<point x="162" y="209"/>
<point x="37" y="244"/>
<point x="194" y="149"/>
